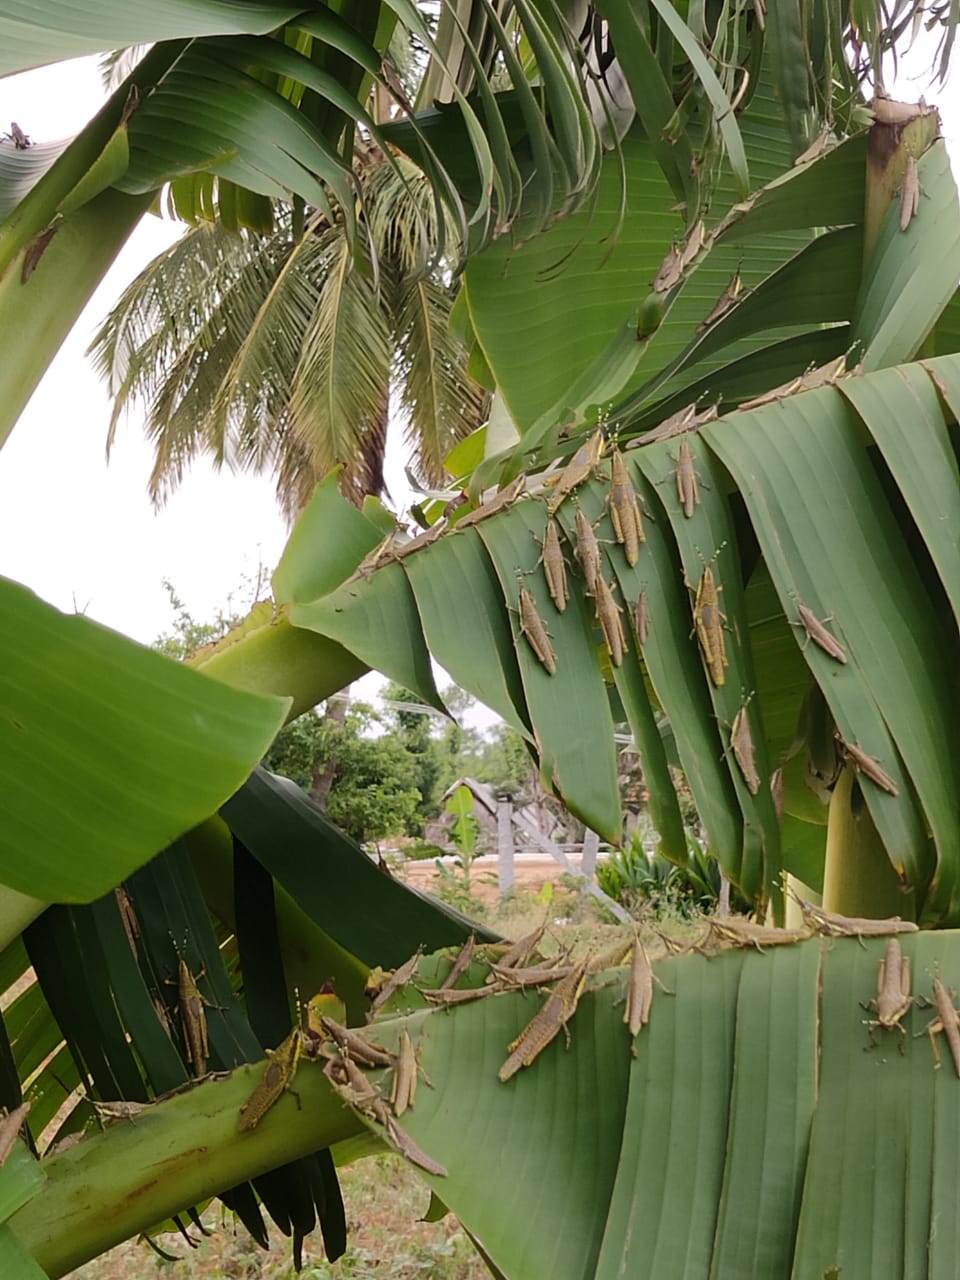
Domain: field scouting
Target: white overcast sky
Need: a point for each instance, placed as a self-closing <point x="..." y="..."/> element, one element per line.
<point x="83" y="534"/>
<point x="80" y="532"/>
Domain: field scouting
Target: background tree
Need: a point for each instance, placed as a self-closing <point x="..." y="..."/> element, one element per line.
<point x="378" y="777"/>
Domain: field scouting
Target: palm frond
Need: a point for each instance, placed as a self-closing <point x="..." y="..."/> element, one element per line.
<point x="442" y="402"/>
<point x="405" y="226"/>
<point x="173" y="336"/>
<point x="370" y="479"/>
<point x="116" y="65"/>
<point x="343" y="373"/>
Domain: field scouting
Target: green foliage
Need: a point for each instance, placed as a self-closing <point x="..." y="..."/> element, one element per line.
<point x="455" y="888"/>
<point x="639" y="881"/>
<point x="418" y="732"/>
<point x="188" y="635"/>
<point x="421" y="851"/>
<point x="376" y="793"/>
<point x="506" y="765"/>
<point x="392" y="767"/>
<point x="764" y="1045"/>
<point x="465" y="828"/>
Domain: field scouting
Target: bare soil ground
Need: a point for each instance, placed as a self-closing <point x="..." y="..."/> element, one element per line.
<point x="531" y="873"/>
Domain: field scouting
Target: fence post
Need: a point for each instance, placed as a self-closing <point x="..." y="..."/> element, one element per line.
<point x="588" y="856"/>
<point x="505" y="877"/>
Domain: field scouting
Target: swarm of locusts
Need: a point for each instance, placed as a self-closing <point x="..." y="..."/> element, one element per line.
<point x="626" y="517"/>
<point x="381" y="1080"/>
<point x="561" y="979"/>
<point x="348" y="1055"/>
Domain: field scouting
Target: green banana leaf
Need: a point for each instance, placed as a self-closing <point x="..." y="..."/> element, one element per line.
<point x="109" y="750"/>
<point x="748" y="1130"/>
<point x="890" y="698"/>
<point x="732" y="1135"/>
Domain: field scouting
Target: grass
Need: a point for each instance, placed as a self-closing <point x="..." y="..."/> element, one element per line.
<point x="385" y="1200"/>
<point x="385" y="1203"/>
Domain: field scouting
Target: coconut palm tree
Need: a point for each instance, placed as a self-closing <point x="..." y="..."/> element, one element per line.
<point x="273" y="351"/>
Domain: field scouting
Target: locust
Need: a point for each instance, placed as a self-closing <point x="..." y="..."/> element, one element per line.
<point x="708" y="624"/>
<point x="694" y="244"/>
<point x="825" y="375"/>
<point x="640" y="990"/>
<point x="688" y="489"/>
<point x="947" y="1021"/>
<point x="776" y="791"/>
<point x="818" y="633"/>
<point x="669" y="271"/>
<point x="421" y="540"/>
<point x="546" y="1024"/>
<point x="356" y="1046"/>
<point x="608" y="615"/>
<point x="893" y="997"/>
<point x="17" y="136"/>
<point x="613" y="958"/>
<point x="641" y="618"/>
<point x="741" y="742"/>
<point x="816" y="148"/>
<point x="534" y="976"/>
<point x="382" y="554"/>
<point x="403" y="1087"/>
<point x="131" y="925"/>
<point x="822" y="376"/>
<point x="724" y="303"/>
<point x="745" y="933"/>
<point x="461" y="964"/>
<point x="460" y="995"/>
<point x="678" y="424"/>
<point x="193" y="1019"/>
<point x="399" y="978"/>
<point x="499" y="502"/>
<point x="588" y="551"/>
<point x="521" y="950"/>
<point x="869" y="766"/>
<point x="275" y="1081"/>
<point x="909" y="194"/>
<point x="354" y="1088"/>
<point x="64" y="1144"/>
<point x="392" y="549"/>
<point x="675" y="425"/>
<point x="325" y="1003"/>
<point x="119" y="1110"/>
<point x="410" y="1151"/>
<point x="10" y="1126"/>
<point x="554" y="565"/>
<point x="532" y="626"/>
<point x="625" y="509"/>
<point x="834" y="925"/>
<point x="580" y="466"/>
<point x="673" y="946"/>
